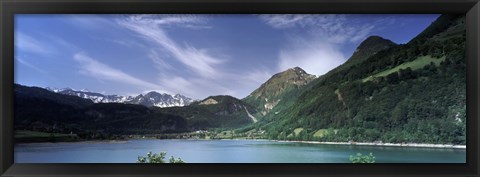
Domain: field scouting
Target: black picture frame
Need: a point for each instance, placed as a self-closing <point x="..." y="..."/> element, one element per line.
<point x="8" y="8"/>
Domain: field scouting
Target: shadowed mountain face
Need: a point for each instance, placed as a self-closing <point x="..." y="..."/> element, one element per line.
<point x="42" y="110"/>
<point x="369" y="47"/>
<point x="43" y="94"/>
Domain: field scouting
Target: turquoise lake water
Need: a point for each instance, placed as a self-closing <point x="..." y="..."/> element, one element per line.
<point x="226" y="151"/>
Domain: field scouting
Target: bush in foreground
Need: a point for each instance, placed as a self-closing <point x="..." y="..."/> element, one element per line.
<point x="158" y="158"/>
<point x="359" y="158"/>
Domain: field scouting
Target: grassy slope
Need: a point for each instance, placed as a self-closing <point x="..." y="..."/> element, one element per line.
<point x="416" y="64"/>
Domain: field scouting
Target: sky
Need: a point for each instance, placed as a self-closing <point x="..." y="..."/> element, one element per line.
<point x="191" y="54"/>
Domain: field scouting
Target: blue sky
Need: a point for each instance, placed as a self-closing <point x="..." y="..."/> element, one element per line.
<point x="194" y="55"/>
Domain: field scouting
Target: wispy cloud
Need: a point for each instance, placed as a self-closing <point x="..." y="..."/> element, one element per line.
<point x="235" y="83"/>
<point x="151" y="28"/>
<point x="89" y="21"/>
<point x="28" y="64"/>
<point x="93" y="68"/>
<point x="27" y="43"/>
<point x="335" y="28"/>
<point x="205" y="74"/>
<point x="43" y="44"/>
<point x="126" y="42"/>
<point x="159" y="60"/>
<point x="177" y="20"/>
<point x="286" y="20"/>
<point x="200" y="88"/>
<point x="180" y="84"/>
<point x="63" y="44"/>
<point x="255" y="76"/>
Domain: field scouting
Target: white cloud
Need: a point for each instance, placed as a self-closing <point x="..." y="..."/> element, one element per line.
<point x="27" y="43"/>
<point x="195" y="87"/>
<point x="299" y="20"/>
<point x="362" y="33"/>
<point x="179" y="84"/>
<point x="256" y="76"/>
<point x="245" y="83"/>
<point x="89" y="21"/>
<point x="198" y="60"/>
<point x="315" y="57"/>
<point x="238" y="84"/>
<point x="186" y="69"/>
<point x="179" y="20"/>
<point x="93" y="68"/>
<point x="200" y="76"/>
<point x="335" y="28"/>
<point x="314" y="40"/>
<point x="43" y="44"/>
<point x="126" y="42"/>
<point x="28" y="64"/>
<point x="61" y="43"/>
<point x="159" y="60"/>
<point x="284" y="20"/>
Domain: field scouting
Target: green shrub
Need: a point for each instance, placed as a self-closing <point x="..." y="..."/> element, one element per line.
<point x="158" y="158"/>
<point x="362" y="158"/>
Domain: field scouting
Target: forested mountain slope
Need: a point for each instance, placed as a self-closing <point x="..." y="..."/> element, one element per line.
<point x="403" y="93"/>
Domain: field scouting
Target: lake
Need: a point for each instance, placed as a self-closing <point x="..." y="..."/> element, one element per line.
<point x="226" y="151"/>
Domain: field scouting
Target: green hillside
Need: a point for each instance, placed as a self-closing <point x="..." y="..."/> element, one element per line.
<point x="281" y="87"/>
<point x="416" y="64"/>
<point x="404" y="93"/>
<point x="367" y="48"/>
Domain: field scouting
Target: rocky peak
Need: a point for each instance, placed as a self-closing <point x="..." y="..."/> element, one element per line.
<point x="295" y="75"/>
<point x="209" y="102"/>
<point x="156" y="94"/>
<point x="149" y="99"/>
<point x="271" y="92"/>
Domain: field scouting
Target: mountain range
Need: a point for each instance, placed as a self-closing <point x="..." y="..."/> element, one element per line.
<point x="413" y="92"/>
<point x="149" y="99"/>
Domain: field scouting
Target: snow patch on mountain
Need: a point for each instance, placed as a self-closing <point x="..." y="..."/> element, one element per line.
<point x="150" y="99"/>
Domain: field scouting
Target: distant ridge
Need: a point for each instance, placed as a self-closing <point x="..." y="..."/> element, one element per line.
<point x="150" y="99"/>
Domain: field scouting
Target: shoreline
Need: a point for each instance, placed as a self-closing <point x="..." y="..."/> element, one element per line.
<point x="83" y="141"/>
<point x="423" y="145"/>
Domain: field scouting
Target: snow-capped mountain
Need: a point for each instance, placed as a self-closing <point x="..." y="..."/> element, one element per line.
<point x="149" y="99"/>
<point x="161" y="100"/>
